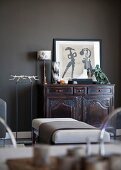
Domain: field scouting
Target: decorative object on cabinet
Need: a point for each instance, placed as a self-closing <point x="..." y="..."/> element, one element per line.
<point x="89" y="103"/>
<point x="100" y="75"/>
<point x="84" y="74"/>
<point x="75" y="56"/>
<point x="44" y="55"/>
<point x="82" y="81"/>
<point x="55" y="71"/>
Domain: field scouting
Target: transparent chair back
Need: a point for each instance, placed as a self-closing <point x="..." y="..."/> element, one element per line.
<point x="110" y="125"/>
<point x="9" y="132"/>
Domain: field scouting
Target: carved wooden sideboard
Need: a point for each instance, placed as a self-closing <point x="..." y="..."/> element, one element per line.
<point x="90" y="103"/>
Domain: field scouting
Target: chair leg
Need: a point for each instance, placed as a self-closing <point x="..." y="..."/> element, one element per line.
<point x="33" y="137"/>
<point x="4" y="142"/>
<point x="115" y="134"/>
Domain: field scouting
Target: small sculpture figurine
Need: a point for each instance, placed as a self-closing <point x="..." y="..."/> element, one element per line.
<point x="100" y="76"/>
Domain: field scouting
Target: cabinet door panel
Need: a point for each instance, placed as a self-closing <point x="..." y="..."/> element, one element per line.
<point x="88" y="103"/>
<point x="95" y="109"/>
<point x="61" y="107"/>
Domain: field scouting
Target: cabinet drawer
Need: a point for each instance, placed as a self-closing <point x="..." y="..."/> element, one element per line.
<point x="100" y="90"/>
<point x="59" y="90"/>
<point x="80" y="90"/>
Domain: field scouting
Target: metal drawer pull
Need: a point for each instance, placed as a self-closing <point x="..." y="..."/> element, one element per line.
<point x="80" y="90"/>
<point x="99" y="90"/>
<point x="59" y="91"/>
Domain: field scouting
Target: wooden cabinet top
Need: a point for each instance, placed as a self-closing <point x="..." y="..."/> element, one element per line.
<point x="74" y="85"/>
<point x="79" y="89"/>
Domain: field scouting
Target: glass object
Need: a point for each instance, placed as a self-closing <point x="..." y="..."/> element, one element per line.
<point x="109" y="125"/>
<point x="9" y="132"/>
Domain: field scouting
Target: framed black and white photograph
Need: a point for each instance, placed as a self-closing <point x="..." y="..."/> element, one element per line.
<point x="75" y="56"/>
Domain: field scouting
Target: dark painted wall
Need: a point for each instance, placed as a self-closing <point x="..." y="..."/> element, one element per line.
<point x="27" y="26"/>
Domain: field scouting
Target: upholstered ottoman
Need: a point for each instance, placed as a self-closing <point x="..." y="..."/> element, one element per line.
<point x="65" y="131"/>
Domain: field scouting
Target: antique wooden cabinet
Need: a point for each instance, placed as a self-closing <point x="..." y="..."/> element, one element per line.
<point x="90" y="103"/>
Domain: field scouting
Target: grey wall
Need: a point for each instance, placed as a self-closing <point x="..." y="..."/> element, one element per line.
<point x="27" y="26"/>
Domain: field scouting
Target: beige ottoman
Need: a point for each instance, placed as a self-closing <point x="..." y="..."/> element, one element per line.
<point x="62" y="135"/>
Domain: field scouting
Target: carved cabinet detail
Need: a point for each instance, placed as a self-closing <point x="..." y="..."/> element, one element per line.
<point x="90" y="103"/>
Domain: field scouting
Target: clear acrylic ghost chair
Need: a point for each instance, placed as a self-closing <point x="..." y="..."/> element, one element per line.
<point x="9" y="132"/>
<point x="109" y="125"/>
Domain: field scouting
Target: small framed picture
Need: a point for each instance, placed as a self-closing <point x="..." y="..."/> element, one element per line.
<point x="75" y="55"/>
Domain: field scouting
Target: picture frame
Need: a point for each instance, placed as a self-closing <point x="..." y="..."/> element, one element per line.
<point x="75" y="55"/>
